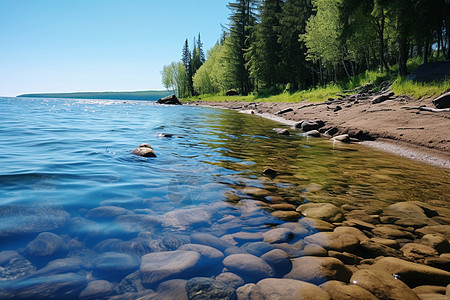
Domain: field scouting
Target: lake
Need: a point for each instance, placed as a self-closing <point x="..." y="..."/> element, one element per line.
<point x="82" y="217"/>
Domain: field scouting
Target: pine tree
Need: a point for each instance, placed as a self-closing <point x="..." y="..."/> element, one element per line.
<point x="293" y="19"/>
<point x="186" y="59"/>
<point x="201" y="53"/>
<point x="242" y="20"/>
<point x="265" y="50"/>
<point x="196" y="62"/>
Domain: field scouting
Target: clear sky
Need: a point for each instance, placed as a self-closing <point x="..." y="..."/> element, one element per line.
<point x="98" y="45"/>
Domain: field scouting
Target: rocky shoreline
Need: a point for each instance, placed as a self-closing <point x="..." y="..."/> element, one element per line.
<point x="397" y="120"/>
<point x="266" y="247"/>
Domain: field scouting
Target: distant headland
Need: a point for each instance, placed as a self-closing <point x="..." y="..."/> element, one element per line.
<point x="137" y="95"/>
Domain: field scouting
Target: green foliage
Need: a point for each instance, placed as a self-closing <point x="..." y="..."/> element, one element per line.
<point x="265" y="52"/>
<point x="323" y="31"/>
<point x="211" y="76"/>
<point x="295" y="69"/>
<point x="242" y="20"/>
<point x="419" y="90"/>
<point x="296" y="45"/>
<point x="174" y="78"/>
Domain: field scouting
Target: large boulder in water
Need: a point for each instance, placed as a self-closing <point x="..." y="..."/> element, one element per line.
<point x="144" y="150"/>
<point x="172" y="100"/>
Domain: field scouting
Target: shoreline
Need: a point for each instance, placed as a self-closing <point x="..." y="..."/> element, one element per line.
<point x="395" y="126"/>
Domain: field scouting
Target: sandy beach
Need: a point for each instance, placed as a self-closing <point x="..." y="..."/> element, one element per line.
<point x="396" y="125"/>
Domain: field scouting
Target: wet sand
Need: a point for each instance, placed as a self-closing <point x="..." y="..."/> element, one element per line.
<point x="396" y="125"/>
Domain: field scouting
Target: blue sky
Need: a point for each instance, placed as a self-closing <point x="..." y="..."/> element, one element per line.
<point x="98" y="45"/>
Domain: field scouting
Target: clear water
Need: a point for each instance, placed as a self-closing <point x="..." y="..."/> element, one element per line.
<point x="60" y="159"/>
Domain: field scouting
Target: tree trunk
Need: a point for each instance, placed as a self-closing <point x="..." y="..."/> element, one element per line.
<point x="353" y="68"/>
<point x="320" y="72"/>
<point x="425" y="51"/>
<point x="381" y="36"/>
<point x="448" y="41"/>
<point x="403" y="57"/>
<point x="345" y="68"/>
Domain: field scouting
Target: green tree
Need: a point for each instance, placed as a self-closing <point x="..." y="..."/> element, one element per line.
<point x="173" y="78"/>
<point x="201" y="52"/>
<point x="187" y="62"/>
<point x="322" y="36"/>
<point x="295" y="68"/>
<point x="265" y="51"/>
<point x="242" y="20"/>
<point x="210" y="77"/>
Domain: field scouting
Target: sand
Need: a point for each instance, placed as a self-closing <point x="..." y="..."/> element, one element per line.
<point x="396" y="125"/>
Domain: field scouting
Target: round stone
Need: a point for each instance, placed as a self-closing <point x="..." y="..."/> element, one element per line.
<point x="251" y="267"/>
<point x="159" y="266"/>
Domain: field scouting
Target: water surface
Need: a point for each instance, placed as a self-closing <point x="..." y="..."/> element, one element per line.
<point x="60" y="160"/>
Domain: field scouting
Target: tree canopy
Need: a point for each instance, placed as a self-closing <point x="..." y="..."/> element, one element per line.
<point x="290" y="45"/>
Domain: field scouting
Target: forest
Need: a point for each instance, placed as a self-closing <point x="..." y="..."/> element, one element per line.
<point x="275" y="46"/>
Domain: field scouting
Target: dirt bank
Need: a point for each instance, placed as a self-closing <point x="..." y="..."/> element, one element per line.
<point x="396" y="125"/>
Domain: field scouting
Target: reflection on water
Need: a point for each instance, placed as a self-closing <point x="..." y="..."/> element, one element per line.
<point x="83" y="217"/>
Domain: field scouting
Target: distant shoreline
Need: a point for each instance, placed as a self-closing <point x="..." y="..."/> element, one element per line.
<point x="134" y="95"/>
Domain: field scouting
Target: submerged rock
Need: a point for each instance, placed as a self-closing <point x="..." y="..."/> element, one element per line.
<point x="171" y="289"/>
<point x="144" y="150"/>
<point x="187" y="219"/>
<point x="106" y="212"/>
<point x="61" y="286"/>
<point x="437" y="242"/>
<point x="270" y="172"/>
<point x="97" y="289"/>
<point x="278" y="235"/>
<point x="249" y="291"/>
<point x="373" y="249"/>
<point x="16" y="220"/>
<point x="280" y="289"/>
<point x="318" y="270"/>
<point x="211" y="255"/>
<point x="156" y="267"/>
<point x="316" y="224"/>
<point x="210" y="240"/>
<point x="417" y="252"/>
<point x="115" y="265"/>
<point x="279" y="261"/>
<point x="230" y="279"/>
<point x="334" y="241"/>
<point x="14" y="266"/>
<point x="45" y="244"/>
<point x="339" y="290"/>
<point x="413" y="274"/>
<point x="200" y="288"/>
<point x="323" y="211"/>
<point x="382" y="285"/>
<point x="248" y="266"/>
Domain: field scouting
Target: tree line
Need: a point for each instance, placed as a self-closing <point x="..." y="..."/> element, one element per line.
<point x="270" y="46"/>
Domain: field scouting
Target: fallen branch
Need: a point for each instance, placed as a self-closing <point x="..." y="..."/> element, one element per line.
<point x="435" y="109"/>
<point x="410" y="128"/>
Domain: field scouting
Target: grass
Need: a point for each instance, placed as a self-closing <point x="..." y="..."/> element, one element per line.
<point x="400" y="86"/>
<point x="419" y="90"/>
<point x="318" y="94"/>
